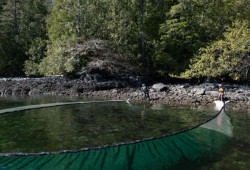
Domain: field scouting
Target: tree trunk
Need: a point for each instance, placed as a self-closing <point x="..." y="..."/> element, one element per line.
<point x="16" y="31"/>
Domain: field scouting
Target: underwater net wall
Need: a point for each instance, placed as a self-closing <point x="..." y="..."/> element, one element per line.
<point x="181" y="150"/>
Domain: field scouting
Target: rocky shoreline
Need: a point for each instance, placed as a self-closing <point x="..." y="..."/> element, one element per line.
<point x="97" y="87"/>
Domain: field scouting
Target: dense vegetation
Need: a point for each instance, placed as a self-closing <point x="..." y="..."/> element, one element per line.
<point x="180" y="38"/>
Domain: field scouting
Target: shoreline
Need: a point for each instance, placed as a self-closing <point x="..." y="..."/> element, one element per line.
<point x="171" y="94"/>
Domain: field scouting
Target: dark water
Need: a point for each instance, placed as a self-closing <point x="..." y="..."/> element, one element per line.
<point x="90" y="125"/>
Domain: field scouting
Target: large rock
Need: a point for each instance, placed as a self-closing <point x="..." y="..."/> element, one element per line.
<point x="212" y="93"/>
<point x="160" y="87"/>
<point x="198" y="91"/>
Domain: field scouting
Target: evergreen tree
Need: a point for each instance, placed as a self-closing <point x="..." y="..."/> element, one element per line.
<point x="21" y="23"/>
<point x="12" y="55"/>
<point x="70" y="24"/>
<point x="226" y="57"/>
<point x="60" y="36"/>
<point x="33" y="33"/>
<point x="134" y="27"/>
<point x="189" y="26"/>
<point x="63" y="27"/>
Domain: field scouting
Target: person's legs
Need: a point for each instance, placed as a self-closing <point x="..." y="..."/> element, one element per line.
<point x="147" y="95"/>
<point x="220" y="96"/>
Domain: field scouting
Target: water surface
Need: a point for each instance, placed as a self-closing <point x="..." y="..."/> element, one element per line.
<point x="88" y="125"/>
<point x="236" y="154"/>
<point x="91" y="125"/>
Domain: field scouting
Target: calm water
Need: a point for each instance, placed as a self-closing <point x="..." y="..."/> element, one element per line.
<point x="87" y="125"/>
<point x="236" y="154"/>
<point x="90" y="125"/>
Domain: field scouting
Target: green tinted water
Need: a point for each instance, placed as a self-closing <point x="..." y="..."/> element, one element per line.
<point x="236" y="155"/>
<point x="78" y="126"/>
<point x="87" y="125"/>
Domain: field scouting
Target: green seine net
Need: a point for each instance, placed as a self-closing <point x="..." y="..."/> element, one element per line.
<point x="182" y="150"/>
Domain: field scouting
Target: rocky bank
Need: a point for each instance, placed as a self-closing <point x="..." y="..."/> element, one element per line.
<point x="97" y="87"/>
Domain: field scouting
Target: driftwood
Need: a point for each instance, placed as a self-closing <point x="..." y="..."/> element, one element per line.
<point x="99" y="59"/>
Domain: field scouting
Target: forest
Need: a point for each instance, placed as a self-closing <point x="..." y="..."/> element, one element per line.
<point x="177" y="38"/>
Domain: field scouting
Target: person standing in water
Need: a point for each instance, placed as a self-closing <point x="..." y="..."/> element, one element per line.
<point x="221" y="94"/>
<point x="145" y="90"/>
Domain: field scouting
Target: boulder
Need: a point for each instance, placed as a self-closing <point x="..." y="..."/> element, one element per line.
<point x="198" y="91"/>
<point x="160" y="87"/>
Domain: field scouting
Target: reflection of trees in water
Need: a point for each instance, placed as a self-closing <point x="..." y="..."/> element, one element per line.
<point x="100" y="124"/>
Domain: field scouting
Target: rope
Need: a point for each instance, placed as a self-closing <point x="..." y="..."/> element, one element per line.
<point x="29" y="107"/>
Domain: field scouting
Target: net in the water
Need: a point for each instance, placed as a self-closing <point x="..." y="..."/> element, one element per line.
<point x="182" y="150"/>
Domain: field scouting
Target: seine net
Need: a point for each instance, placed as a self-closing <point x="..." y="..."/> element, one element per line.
<point x="181" y="150"/>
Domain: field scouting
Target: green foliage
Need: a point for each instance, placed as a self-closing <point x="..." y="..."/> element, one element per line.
<point x="70" y="23"/>
<point x="36" y="52"/>
<point x="121" y="27"/>
<point x="133" y="28"/>
<point x="53" y="63"/>
<point x="229" y="56"/>
<point x="32" y="22"/>
<point x="3" y="59"/>
<point x="114" y="21"/>
<point x="189" y="26"/>
<point x="10" y="17"/>
<point x="52" y="37"/>
<point x="21" y="23"/>
<point x="12" y="56"/>
<point x="61" y="31"/>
